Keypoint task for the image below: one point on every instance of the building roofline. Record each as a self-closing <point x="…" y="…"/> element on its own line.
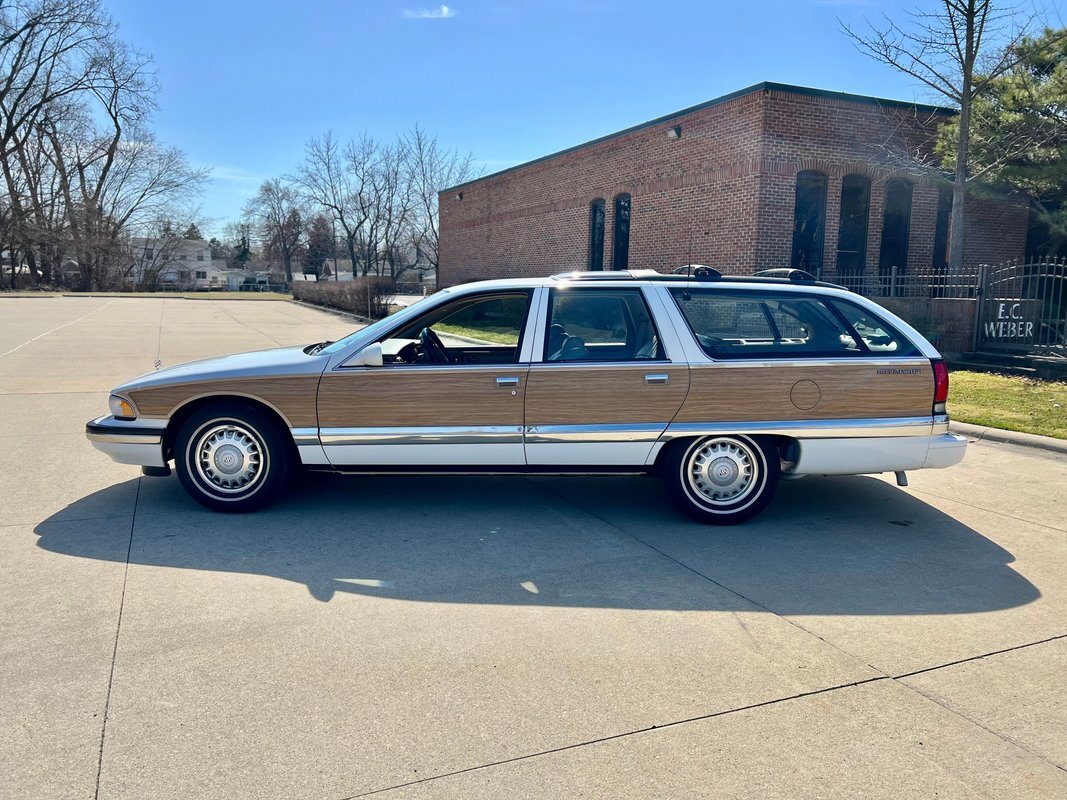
<point x="763" y="86"/>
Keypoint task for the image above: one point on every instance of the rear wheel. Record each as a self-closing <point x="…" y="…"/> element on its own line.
<point x="722" y="480"/>
<point x="231" y="457"/>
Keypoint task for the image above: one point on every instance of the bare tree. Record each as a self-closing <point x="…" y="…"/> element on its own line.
<point x="393" y="207"/>
<point x="336" y="177"/>
<point x="275" y="211"/>
<point x="77" y="159"/>
<point x="432" y="168"/>
<point x="956" y="52"/>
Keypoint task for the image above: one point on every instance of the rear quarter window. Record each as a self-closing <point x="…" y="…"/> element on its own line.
<point x="877" y="335"/>
<point x="739" y="324"/>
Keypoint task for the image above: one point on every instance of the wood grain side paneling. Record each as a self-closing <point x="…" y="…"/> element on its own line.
<point x="413" y="397"/>
<point x="293" y="396"/>
<point x="584" y="395"/>
<point x="846" y="391"/>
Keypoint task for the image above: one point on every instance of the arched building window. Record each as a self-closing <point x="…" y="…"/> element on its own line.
<point x="596" y="234"/>
<point x="620" y="251"/>
<point x="809" y="222"/>
<point x="852" y="235"/>
<point x="896" y="225"/>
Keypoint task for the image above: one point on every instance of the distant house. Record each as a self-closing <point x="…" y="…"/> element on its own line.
<point x="181" y="264"/>
<point x="420" y="270"/>
<point x="216" y="277"/>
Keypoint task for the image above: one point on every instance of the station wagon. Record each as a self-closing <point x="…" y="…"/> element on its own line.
<point x="721" y="385"/>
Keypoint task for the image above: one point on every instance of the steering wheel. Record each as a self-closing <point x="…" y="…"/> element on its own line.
<point x="432" y="349"/>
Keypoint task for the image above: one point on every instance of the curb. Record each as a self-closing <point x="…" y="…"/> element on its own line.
<point x="337" y="312"/>
<point x="984" y="434"/>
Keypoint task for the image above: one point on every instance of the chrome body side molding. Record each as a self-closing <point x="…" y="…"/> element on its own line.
<point x="465" y="435"/>
<point x="590" y="434"/>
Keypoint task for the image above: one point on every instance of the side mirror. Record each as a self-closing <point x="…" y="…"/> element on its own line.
<point x="369" y="356"/>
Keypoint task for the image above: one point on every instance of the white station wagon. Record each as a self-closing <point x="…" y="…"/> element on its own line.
<point x="721" y="385"/>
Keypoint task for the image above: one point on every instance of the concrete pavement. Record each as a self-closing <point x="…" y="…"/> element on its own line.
<point x="501" y="637"/>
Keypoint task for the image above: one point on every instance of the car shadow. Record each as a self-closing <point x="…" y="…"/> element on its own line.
<point x="853" y="545"/>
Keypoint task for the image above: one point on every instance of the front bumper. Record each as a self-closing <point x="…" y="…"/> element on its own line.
<point x="137" y="442"/>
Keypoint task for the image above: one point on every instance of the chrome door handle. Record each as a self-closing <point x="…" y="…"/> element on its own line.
<point x="659" y="377"/>
<point x="507" y="381"/>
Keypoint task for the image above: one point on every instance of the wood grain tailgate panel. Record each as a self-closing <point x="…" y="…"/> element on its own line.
<point x="847" y="391"/>
<point x="293" y="396"/>
<point x="402" y="398"/>
<point x="585" y="395"/>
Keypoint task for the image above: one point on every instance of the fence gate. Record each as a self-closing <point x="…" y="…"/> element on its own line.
<point x="1022" y="308"/>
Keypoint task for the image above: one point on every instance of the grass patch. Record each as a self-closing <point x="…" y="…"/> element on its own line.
<point x="1009" y="402"/>
<point x="488" y="334"/>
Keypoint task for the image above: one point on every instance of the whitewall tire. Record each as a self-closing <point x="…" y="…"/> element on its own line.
<point x="722" y="480"/>
<point x="232" y="457"/>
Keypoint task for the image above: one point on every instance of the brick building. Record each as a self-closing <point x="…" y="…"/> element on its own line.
<point x="769" y="176"/>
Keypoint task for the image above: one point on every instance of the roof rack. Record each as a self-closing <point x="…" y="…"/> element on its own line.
<point x="699" y="273"/>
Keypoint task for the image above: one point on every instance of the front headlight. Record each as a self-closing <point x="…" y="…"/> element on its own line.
<point x="121" y="408"/>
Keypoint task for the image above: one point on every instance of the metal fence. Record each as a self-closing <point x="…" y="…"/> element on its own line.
<point x="922" y="284"/>
<point x="1022" y="308"/>
<point x="1018" y="307"/>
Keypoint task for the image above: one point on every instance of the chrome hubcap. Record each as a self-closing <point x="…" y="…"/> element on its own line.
<point x="229" y="457"/>
<point x="722" y="471"/>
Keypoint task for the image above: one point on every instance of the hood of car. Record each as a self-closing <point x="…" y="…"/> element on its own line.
<point x="259" y="363"/>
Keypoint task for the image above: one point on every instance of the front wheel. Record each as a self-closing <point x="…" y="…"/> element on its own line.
<point x="231" y="458"/>
<point x="722" y="480"/>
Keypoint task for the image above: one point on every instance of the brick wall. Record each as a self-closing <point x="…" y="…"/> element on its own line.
<point x="724" y="189"/>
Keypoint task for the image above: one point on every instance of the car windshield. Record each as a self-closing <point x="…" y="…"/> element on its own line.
<point x="382" y="325"/>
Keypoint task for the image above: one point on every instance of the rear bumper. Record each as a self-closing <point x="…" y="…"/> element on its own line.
<point x="127" y="442"/>
<point x="946" y="450"/>
<point x="865" y="456"/>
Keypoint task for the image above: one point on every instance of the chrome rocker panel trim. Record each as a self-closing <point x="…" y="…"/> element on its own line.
<point x="816" y="428"/>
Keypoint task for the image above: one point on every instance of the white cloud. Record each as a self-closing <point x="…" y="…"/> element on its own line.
<point x="232" y="174"/>
<point x="442" y="12"/>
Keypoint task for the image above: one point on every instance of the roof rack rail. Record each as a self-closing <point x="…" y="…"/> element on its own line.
<point x="785" y="272"/>
<point x="699" y="273"/>
<point x="608" y="275"/>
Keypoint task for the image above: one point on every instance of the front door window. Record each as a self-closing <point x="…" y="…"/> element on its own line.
<point x="484" y="329"/>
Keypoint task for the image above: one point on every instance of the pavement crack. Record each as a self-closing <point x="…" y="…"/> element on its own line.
<point x="623" y="735"/>
<point x="912" y="674"/>
<point x="945" y="704"/>
<point x="989" y="510"/>
<point x="711" y="580"/>
<point x="115" y="647"/>
<point x="250" y="327"/>
<point x="57" y="328"/>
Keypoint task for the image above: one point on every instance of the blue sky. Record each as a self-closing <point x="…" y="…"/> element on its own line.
<point x="246" y="82"/>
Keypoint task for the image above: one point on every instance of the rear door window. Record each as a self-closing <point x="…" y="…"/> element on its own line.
<point x="730" y="324"/>
<point x="600" y="325"/>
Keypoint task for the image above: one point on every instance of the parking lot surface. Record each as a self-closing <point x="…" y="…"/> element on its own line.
<point x="501" y="637"/>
